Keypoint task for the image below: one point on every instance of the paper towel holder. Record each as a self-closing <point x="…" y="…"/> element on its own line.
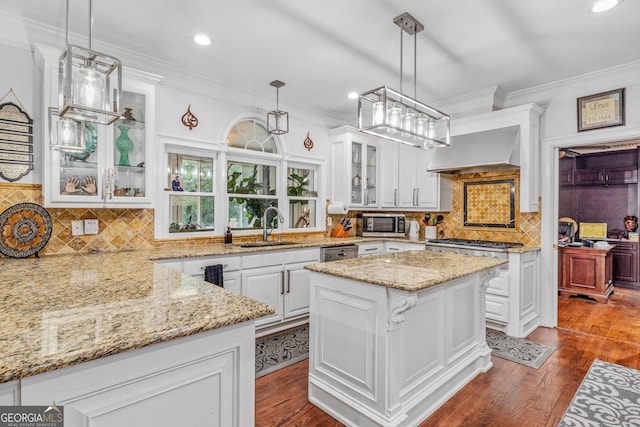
<point x="337" y="209"/>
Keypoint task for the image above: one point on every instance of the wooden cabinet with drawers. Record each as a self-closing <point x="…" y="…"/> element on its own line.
<point x="586" y="271"/>
<point x="625" y="264"/>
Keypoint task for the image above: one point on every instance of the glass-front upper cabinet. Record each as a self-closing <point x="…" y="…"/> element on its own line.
<point x="115" y="167"/>
<point x="354" y="172"/>
<point x="364" y="162"/>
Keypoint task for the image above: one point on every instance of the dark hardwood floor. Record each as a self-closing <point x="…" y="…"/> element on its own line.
<point x="509" y="394"/>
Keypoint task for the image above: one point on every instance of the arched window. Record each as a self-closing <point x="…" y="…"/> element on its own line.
<point x="252" y="135"/>
<point x="252" y="183"/>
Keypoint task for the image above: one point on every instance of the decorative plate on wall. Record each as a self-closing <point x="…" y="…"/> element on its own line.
<point x="25" y="229"/>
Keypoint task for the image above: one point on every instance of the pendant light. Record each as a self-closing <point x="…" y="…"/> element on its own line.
<point x="277" y="121"/>
<point x="392" y="115"/>
<point x="89" y="82"/>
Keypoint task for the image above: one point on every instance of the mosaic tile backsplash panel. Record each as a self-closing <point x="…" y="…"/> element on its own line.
<point x="488" y="202"/>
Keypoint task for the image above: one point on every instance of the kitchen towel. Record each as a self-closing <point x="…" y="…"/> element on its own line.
<point x="213" y="274"/>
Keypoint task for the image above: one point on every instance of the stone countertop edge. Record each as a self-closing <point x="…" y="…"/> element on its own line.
<point x="408" y="271"/>
<point x="62" y="310"/>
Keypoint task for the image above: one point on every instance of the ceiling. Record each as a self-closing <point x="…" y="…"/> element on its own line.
<point x="324" y="49"/>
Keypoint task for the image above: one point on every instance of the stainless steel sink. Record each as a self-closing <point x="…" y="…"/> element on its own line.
<point x="269" y="243"/>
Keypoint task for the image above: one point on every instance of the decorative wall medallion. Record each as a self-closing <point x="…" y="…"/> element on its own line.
<point x="25" y="228"/>
<point x="189" y="119"/>
<point x="16" y="140"/>
<point x="308" y="143"/>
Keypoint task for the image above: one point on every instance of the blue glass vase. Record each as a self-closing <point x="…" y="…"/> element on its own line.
<point x="124" y="144"/>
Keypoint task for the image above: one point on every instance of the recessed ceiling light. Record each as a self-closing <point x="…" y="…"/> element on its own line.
<point x="603" y="5"/>
<point x="353" y="95"/>
<point x="202" y="39"/>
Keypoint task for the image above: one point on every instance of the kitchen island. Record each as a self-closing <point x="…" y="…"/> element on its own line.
<point x="392" y="337"/>
<point x="119" y="340"/>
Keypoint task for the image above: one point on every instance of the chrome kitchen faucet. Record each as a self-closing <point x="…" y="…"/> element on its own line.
<point x="265" y="233"/>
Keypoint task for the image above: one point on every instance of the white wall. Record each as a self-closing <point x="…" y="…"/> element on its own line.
<point x="17" y="72"/>
<point x="560" y="100"/>
<point x="216" y="116"/>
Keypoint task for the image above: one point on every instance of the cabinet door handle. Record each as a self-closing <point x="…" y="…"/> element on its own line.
<point x="395" y="197"/>
<point x="281" y="282"/>
<point x="417" y="197"/>
<point x="108" y="184"/>
<point x="371" y="249"/>
<point x="288" y="281"/>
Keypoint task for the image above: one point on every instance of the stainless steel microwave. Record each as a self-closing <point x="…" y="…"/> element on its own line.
<point x="380" y="225"/>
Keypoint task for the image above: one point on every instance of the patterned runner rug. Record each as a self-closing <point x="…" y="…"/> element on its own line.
<point x="518" y="350"/>
<point x="608" y="396"/>
<point x="286" y="348"/>
<point x="277" y="351"/>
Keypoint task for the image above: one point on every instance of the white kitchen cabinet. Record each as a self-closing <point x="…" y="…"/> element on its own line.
<point x="408" y="246"/>
<point x="407" y="184"/>
<point x="280" y="280"/>
<point x="230" y="270"/>
<point x="277" y="278"/>
<point x="296" y="292"/>
<point x="513" y="297"/>
<point x="118" y="158"/>
<point x="208" y="379"/>
<point x="391" y="247"/>
<point x="10" y="393"/>
<point x="355" y="159"/>
<point x="265" y="284"/>
<point x="370" y="248"/>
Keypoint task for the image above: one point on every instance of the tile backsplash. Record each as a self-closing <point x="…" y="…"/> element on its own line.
<point x="486" y="198"/>
<point x="120" y="229"/>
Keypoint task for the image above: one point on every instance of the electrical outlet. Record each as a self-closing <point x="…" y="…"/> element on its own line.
<point x="329" y="221"/>
<point x="77" y="228"/>
<point x="91" y="226"/>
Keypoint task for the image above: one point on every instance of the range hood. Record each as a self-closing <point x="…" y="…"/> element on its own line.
<point x="479" y="151"/>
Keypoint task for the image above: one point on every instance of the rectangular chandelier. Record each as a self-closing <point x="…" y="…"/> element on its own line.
<point x="389" y="114"/>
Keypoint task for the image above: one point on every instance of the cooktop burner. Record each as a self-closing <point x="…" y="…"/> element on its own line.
<point x="476" y="243"/>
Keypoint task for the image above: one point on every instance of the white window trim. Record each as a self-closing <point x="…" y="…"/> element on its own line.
<point x="162" y="213"/>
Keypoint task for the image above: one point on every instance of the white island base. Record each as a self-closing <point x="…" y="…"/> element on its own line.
<point x="386" y="357"/>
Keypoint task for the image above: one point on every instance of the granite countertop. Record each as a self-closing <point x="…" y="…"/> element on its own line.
<point x="408" y="271"/>
<point x="220" y="249"/>
<point x="236" y="248"/>
<point x="62" y="310"/>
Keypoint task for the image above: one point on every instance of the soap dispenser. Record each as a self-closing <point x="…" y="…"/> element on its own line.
<point x="228" y="237"/>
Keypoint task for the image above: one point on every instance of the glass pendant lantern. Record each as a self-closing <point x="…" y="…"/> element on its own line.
<point x="89" y="82"/>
